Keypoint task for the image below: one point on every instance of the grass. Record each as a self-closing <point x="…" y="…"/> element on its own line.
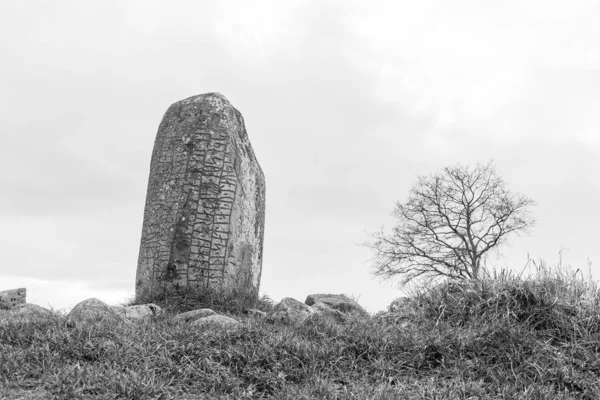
<point x="507" y="336"/>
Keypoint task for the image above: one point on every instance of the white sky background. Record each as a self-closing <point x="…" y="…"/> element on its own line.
<point x="345" y="103"/>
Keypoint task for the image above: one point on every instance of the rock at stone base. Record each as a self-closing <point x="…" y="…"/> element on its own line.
<point x="405" y="308"/>
<point x="13" y="297"/>
<point x="94" y="310"/>
<point x="139" y="312"/>
<point x="190" y="316"/>
<point x="338" y="302"/>
<point x="253" y="312"/>
<point x="399" y="304"/>
<point x="392" y="318"/>
<point x="118" y="310"/>
<point x="290" y="311"/>
<point x="215" y="319"/>
<point x="25" y="312"/>
<point x="406" y="305"/>
<point x="329" y="313"/>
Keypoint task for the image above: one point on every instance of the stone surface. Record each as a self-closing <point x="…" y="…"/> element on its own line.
<point x="405" y="309"/>
<point x="254" y="312"/>
<point x="94" y="310"/>
<point x="290" y="311"/>
<point x="400" y="304"/>
<point x="205" y="205"/>
<point x="332" y="314"/>
<point x="139" y="312"/>
<point x="193" y="315"/>
<point x="338" y="302"/>
<point x="393" y="318"/>
<point x="215" y="319"/>
<point x="25" y="312"/>
<point x="10" y="298"/>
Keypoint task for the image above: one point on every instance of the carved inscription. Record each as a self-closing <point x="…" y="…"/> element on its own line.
<point x="199" y="224"/>
<point x="217" y="190"/>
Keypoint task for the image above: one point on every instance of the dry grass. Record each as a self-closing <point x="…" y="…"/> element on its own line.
<point x="508" y="336"/>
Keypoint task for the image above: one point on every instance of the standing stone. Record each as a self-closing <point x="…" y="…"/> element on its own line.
<point x="205" y="207"/>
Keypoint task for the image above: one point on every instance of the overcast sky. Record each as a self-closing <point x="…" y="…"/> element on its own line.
<point x="345" y="103"/>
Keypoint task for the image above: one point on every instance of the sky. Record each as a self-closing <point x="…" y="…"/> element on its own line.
<point x="345" y="104"/>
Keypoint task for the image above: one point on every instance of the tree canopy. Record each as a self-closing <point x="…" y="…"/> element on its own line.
<point x="449" y="223"/>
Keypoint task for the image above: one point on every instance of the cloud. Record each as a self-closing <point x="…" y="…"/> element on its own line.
<point x="76" y="248"/>
<point x="345" y="103"/>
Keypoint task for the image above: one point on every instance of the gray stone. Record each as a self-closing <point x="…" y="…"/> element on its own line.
<point x="140" y="312"/>
<point x="190" y="316"/>
<point x="290" y="311"/>
<point x="253" y="312"/>
<point x="405" y="305"/>
<point x="118" y="310"/>
<point x="215" y="319"/>
<point x="205" y="206"/>
<point x="393" y="318"/>
<point x="25" y="312"/>
<point x="338" y="302"/>
<point x="405" y="308"/>
<point x="94" y="310"/>
<point x="332" y="314"/>
<point x="13" y="297"/>
<point x="400" y="304"/>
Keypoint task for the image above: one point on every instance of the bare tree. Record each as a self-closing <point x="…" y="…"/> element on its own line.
<point x="449" y="223"/>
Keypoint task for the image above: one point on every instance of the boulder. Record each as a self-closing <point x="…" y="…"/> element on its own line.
<point x="29" y="309"/>
<point x="26" y="312"/>
<point x="290" y="311"/>
<point x="254" y="312"/>
<point x="215" y="319"/>
<point x="404" y="305"/>
<point x="399" y="304"/>
<point x="94" y="310"/>
<point x="190" y="316"/>
<point x="393" y="318"/>
<point x="12" y="297"/>
<point x="402" y="312"/>
<point x="338" y="302"/>
<point x="329" y="313"/>
<point x="140" y="312"/>
<point x="204" y="217"/>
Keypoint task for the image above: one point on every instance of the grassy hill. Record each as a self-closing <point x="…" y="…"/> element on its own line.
<point x="505" y="337"/>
